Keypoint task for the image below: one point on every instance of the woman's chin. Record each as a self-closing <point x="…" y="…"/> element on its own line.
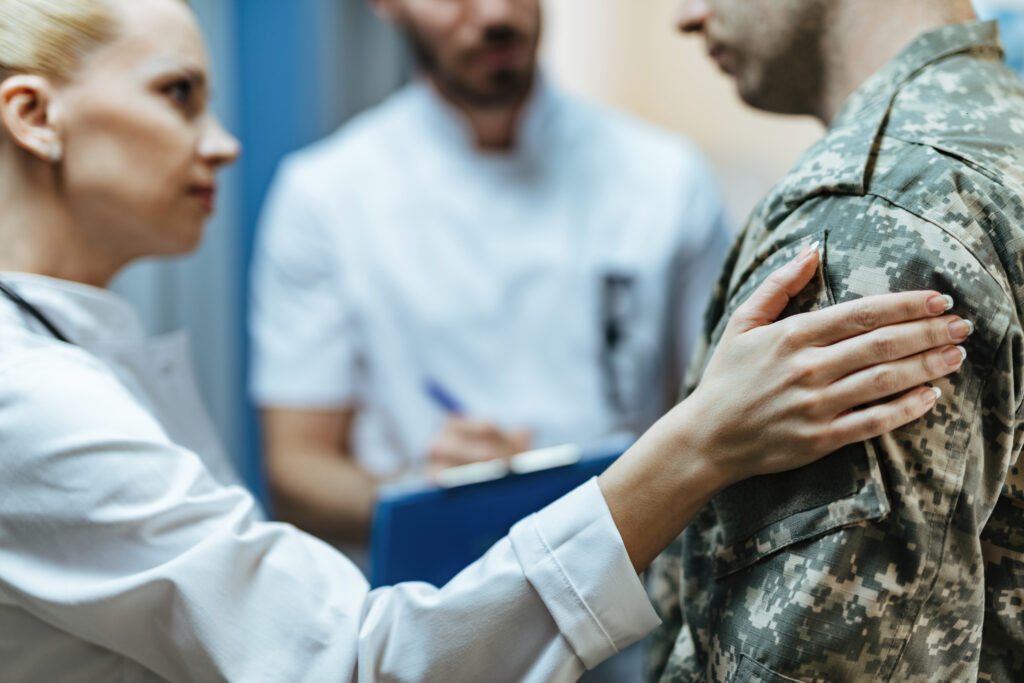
<point x="180" y="242"/>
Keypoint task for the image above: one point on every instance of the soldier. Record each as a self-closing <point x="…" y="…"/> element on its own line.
<point x="901" y="558"/>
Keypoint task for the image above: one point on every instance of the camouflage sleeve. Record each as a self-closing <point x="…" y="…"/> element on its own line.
<point x="885" y="560"/>
<point x="949" y="476"/>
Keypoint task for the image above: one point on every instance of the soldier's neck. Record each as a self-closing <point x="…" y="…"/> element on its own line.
<point x="867" y="34"/>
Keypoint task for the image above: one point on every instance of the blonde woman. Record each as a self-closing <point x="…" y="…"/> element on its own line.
<point x="126" y="550"/>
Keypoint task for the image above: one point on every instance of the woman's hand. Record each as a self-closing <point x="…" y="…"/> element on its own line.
<point x="779" y="395"/>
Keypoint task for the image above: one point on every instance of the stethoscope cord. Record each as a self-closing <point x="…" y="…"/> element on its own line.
<point x="34" y="312"/>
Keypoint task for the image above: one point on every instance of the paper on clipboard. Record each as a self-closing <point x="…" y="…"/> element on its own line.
<point x="522" y="463"/>
<point x="535" y="460"/>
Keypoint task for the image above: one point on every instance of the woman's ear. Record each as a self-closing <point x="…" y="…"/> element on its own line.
<point x="26" y="110"/>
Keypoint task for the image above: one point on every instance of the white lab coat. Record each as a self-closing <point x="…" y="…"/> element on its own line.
<point x="127" y="553"/>
<point x="395" y="252"/>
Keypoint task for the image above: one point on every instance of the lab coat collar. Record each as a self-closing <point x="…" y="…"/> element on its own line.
<point x="88" y="316"/>
<point x="451" y="128"/>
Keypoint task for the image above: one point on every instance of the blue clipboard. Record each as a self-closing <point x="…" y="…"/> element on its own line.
<point x="429" y="533"/>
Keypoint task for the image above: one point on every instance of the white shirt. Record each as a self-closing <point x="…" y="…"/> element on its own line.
<point x="395" y="252"/>
<point x="123" y="558"/>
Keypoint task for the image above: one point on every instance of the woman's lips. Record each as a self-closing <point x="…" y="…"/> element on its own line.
<point x="205" y="195"/>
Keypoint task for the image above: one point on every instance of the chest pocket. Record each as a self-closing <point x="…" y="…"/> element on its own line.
<point x="763" y="515"/>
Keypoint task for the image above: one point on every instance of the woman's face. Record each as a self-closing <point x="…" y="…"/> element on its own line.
<point x="141" y="149"/>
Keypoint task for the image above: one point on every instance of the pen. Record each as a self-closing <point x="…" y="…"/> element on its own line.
<point x="443" y="397"/>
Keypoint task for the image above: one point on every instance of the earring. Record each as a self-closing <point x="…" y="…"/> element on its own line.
<point x="55" y="152"/>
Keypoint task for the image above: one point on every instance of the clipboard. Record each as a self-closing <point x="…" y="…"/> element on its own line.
<point x="428" y="532"/>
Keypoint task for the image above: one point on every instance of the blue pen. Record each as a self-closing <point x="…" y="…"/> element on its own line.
<point x="443" y="397"/>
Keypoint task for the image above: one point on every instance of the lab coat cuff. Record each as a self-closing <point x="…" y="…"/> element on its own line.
<point x="573" y="556"/>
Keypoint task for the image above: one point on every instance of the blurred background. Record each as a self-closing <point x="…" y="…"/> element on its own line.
<point x="287" y="73"/>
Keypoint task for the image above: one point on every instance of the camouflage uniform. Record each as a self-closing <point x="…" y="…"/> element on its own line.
<point x="899" y="559"/>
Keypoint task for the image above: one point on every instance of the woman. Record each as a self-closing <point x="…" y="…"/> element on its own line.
<point x="125" y="550"/>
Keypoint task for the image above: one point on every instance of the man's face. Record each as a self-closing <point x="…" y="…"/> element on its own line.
<point x="480" y="52"/>
<point x="775" y="49"/>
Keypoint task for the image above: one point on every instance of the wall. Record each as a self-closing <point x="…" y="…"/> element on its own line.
<point x="1010" y="14"/>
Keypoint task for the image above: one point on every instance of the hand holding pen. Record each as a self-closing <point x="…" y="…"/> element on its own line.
<point x="463" y="439"/>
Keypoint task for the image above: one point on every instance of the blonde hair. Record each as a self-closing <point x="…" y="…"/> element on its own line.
<point x="51" y="37"/>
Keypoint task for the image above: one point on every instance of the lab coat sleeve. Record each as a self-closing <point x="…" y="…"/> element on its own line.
<point x="303" y="325"/>
<point x="117" y="537"/>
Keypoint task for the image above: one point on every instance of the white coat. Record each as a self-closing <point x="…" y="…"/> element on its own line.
<point x="128" y="553"/>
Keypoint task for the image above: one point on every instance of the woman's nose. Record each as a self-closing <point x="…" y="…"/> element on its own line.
<point x="218" y="146"/>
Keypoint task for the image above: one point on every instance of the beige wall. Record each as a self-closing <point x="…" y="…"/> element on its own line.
<point x="627" y="53"/>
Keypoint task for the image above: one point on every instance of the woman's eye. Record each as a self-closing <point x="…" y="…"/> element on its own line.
<point x="180" y="92"/>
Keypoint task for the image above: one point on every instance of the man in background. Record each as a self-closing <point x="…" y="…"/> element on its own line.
<point x="478" y="265"/>
<point x="899" y="559"/>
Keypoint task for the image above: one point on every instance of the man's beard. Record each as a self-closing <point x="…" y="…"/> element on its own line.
<point x="793" y="82"/>
<point x="503" y="88"/>
<point x="788" y="87"/>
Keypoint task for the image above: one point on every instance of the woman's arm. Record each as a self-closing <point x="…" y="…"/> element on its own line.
<point x="120" y="547"/>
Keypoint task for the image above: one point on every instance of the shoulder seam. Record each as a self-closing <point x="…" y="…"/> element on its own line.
<point x="973" y="165"/>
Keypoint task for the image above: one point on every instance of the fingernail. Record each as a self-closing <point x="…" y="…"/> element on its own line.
<point x="806" y="253"/>
<point x="937" y="392"/>
<point x="954" y="356"/>
<point x="960" y="330"/>
<point x="940" y="303"/>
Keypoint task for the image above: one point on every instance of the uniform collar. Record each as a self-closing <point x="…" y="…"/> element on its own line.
<point x="88" y="316"/>
<point x="875" y="96"/>
<point x="840" y="162"/>
<point x="450" y="127"/>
